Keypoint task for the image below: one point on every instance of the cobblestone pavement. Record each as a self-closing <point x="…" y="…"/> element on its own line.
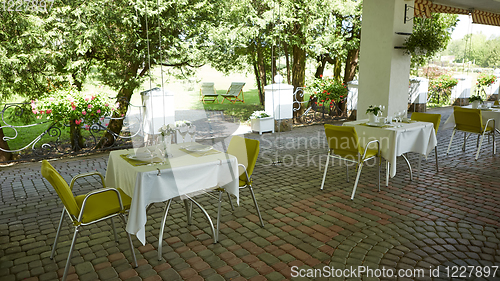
<point x="439" y="221"/>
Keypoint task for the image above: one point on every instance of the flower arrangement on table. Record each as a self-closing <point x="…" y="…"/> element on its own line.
<point x="167" y="130"/>
<point x="375" y="110"/>
<point x="328" y="91"/>
<point x="485" y="80"/>
<point x="182" y="123"/>
<point x="259" y="114"/>
<point x="69" y="106"/>
<point x="475" y="98"/>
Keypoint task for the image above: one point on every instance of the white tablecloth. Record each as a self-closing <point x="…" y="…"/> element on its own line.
<point x="418" y="137"/>
<point x="486" y="114"/>
<point x="184" y="174"/>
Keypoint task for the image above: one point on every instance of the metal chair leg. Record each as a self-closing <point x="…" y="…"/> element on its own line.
<point x="114" y="229"/>
<point x="379" y="164"/>
<point x="66" y="268"/>
<point x="347" y="171"/>
<point x="132" y="251"/>
<point x="230" y="201"/>
<point x="57" y="234"/>
<point x="162" y="228"/>
<point x="256" y="205"/>
<point x="451" y="139"/>
<point x="326" y="168"/>
<point x="465" y="142"/>
<point x="360" y="167"/>
<point x="479" y="146"/>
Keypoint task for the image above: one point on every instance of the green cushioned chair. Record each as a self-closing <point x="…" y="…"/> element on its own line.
<point x="432" y="118"/>
<point x="86" y="209"/>
<point x="343" y="144"/>
<point x="470" y="121"/>
<point x="246" y="151"/>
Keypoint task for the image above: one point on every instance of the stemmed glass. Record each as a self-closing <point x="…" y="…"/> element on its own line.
<point x="192" y="132"/>
<point x="183" y="130"/>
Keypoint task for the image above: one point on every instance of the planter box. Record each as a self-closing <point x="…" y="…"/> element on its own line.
<point x="262" y="125"/>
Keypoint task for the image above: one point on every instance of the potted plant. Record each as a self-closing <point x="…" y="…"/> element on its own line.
<point x="261" y="122"/>
<point x="425" y="40"/>
<point x="328" y="92"/>
<point x="373" y="112"/>
<point x="475" y="100"/>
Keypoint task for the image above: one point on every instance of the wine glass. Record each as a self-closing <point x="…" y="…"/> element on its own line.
<point x="192" y="132"/>
<point x="183" y="130"/>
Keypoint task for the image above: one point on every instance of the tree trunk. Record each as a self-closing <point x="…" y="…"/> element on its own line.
<point x="116" y="125"/>
<point x="123" y="98"/>
<point x="298" y="67"/>
<point x="321" y="59"/>
<point x="75" y="132"/>
<point x="261" y="68"/>
<point x="351" y="65"/>
<point x="4" y="156"/>
<point x="287" y="60"/>
<point x="257" y="79"/>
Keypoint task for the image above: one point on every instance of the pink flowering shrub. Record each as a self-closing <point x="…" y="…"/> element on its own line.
<point x="71" y="106"/>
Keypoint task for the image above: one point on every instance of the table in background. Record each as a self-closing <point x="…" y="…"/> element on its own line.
<point x="490" y="113"/>
<point x="418" y="137"/>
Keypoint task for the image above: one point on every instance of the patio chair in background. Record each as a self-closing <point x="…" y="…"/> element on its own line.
<point x="86" y="209"/>
<point x="432" y="118"/>
<point x="208" y="93"/>
<point x="234" y="92"/>
<point x="343" y="144"/>
<point x="470" y="121"/>
<point x="246" y="151"/>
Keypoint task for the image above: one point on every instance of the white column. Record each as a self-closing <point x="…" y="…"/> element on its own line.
<point x="383" y="70"/>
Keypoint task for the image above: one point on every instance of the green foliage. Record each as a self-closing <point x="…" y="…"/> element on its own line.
<point x="440" y="90"/>
<point x="485" y="80"/>
<point x="475" y="98"/>
<point x="374" y="109"/>
<point x="431" y="34"/>
<point x="69" y="105"/>
<point x="484" y="52"/>
<point x="259" y="114"/>
<point x="328" y="89"/>
<point x="444" y="82"/>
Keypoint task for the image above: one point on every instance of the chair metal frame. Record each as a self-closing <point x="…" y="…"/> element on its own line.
<point x="479" y="135"/>
<point x="361" y="160"/>
<point x="248" y="184"/>
<point x="77" y="221"/>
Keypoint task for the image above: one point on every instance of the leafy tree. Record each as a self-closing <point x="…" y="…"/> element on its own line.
<point x="442" y="26"/>
<point x="27" y="66"/>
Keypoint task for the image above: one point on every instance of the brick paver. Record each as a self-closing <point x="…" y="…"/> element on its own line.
<point x="450" y="218"/>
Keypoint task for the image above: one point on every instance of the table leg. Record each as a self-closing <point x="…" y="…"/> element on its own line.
<point x="387" y="167"/>
<point x="419" y="165"/>
<point x="162" y="228"/>
<point x="214" y="235"/>
<point x="409" y="166"/>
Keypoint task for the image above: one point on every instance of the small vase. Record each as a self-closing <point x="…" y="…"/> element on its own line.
<point x="372" y="118"/>
<point x="166" y="141"/>
<point x="475" y="104"/>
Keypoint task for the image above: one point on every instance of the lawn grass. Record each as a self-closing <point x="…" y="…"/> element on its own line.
<point x="239" y="110"/>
